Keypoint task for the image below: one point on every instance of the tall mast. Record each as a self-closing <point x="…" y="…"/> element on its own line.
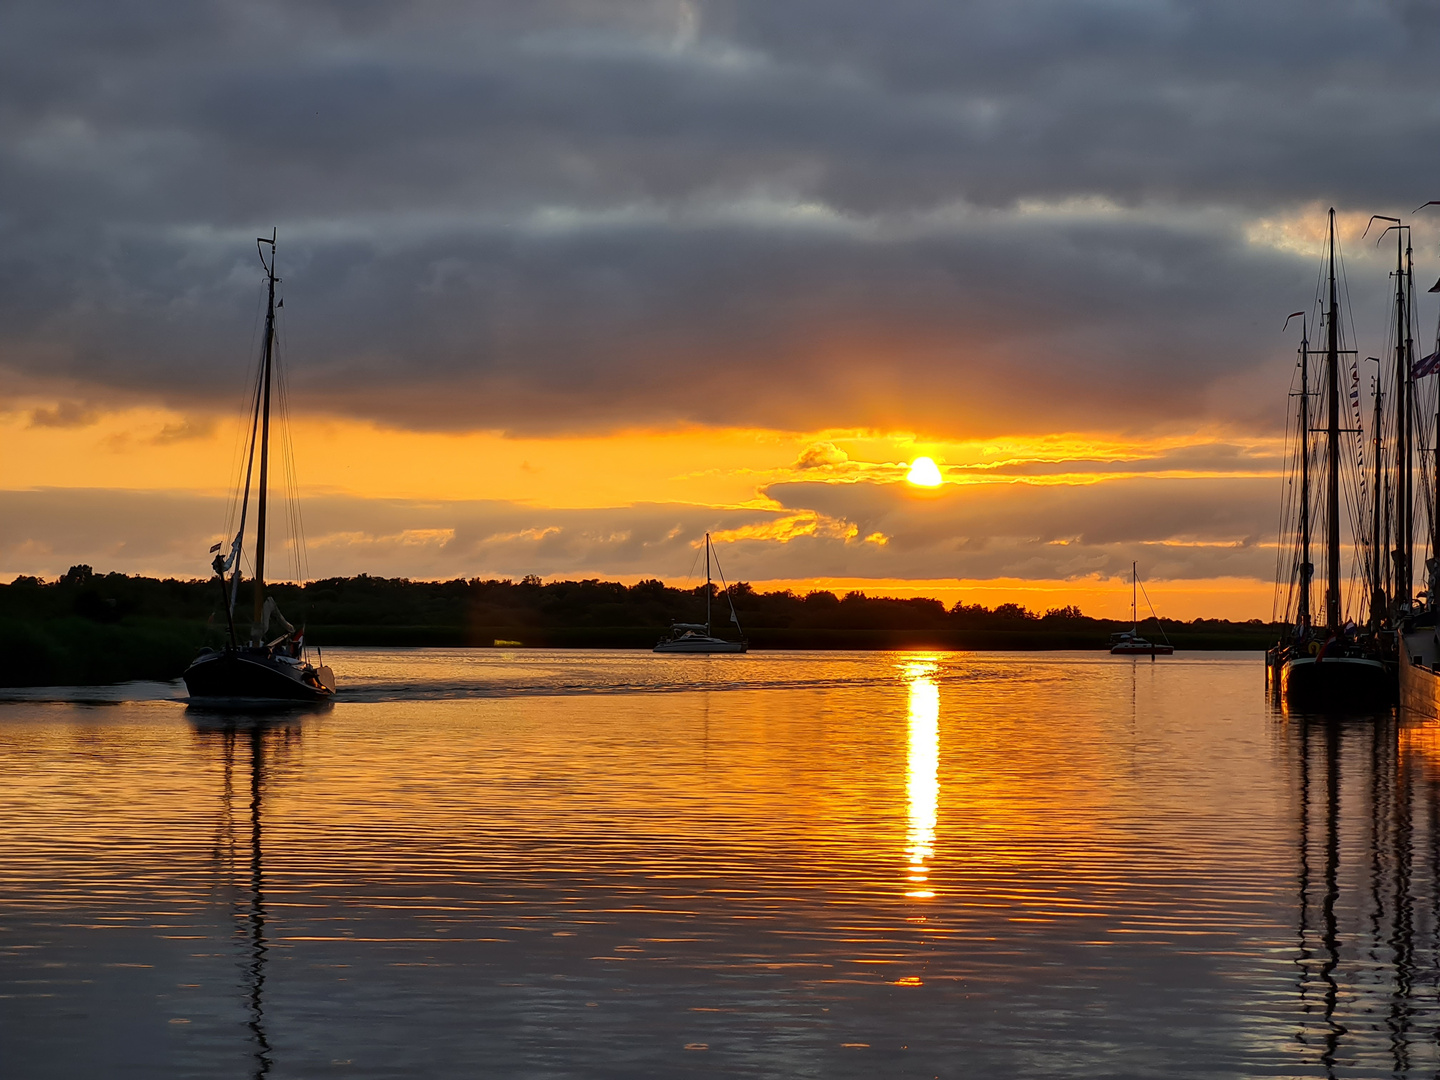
<point x="264" y="434"/>
<point x="1134" y="586"/>
<point x="1332" y="472"/>
<point x="1404" y="408"/>
<point x="1307" y="568"/>
<point x="1411" y="421"/>
<point x="1377" y="588"/>
<point x="707" y="585"/>
<point x="1435" y="505"/>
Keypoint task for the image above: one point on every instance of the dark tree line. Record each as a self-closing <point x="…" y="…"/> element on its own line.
<point x="375" y="602"/>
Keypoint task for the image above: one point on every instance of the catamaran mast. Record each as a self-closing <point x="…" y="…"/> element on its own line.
<point x="707" y="585"/>
<point x="1332" y="471"/>
<point x="259" y="630"/>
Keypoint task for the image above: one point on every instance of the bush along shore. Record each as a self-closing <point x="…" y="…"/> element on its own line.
<point x="88" y="628"/>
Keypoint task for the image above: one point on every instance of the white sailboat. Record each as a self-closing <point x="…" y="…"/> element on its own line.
<point x="697" y="637"/>
<point x="1129" y="642"/>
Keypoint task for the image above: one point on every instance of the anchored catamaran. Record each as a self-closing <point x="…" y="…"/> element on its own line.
<point x="277" y="669"/>
<point x="1129" y="642"/>
<point x="696" y="637"/>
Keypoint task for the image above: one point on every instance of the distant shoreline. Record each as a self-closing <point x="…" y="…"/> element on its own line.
<point x="94" y="629"/>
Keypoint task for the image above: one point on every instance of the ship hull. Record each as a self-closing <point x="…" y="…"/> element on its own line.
<point x="698" y="644"/>
<point x="1141" y="650"/>
<point x="1340" y="682"/>
<point x="250" y="675"/>
<point x="1419" y="682"/>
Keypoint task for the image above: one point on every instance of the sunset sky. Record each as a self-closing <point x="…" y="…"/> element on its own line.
<point x="568" y="283"/>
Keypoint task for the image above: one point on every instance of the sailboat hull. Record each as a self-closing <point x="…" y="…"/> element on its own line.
<point x="252" y="675"/>
<point x="698" y="643"/>
<point x="1339" y="682"/>
<point x="1141" y="648"/>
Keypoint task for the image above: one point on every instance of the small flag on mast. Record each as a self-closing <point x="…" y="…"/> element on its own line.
<point x="215" y="549"/>
<point x="1426" y="365"/>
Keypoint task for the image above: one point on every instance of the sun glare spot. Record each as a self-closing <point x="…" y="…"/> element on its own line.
<point x="924" y="473"/>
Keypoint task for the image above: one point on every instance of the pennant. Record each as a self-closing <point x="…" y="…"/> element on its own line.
<point x="215" y="549"/>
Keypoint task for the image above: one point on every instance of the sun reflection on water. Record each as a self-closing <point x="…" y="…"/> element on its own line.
<point x="922" y="781"/>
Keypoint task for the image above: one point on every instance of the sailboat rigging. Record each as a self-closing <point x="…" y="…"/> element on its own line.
<point x="697" y="637"/>
<point x="1341" y="664"/>
<point x="277" y="669"/>
<point x="1129" y="642"/>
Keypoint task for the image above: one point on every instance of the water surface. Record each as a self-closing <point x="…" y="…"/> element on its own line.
<point x="565" y="864"/>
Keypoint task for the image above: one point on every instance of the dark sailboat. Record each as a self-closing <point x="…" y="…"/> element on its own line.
<point x="1418" y="638"/>
<point x="276" y="669"/>
<point x="697" y="637"/>
<point x="1337" y="663"/>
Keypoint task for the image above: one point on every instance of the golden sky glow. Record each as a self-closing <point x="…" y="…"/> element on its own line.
<point x="50" y="445"/>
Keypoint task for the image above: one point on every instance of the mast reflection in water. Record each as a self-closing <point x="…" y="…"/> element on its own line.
<point x="1368" y="905"/>
<point x="245" y="744"/>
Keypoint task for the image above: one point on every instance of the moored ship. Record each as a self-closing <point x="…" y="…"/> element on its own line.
<point x="1333" y="662"/>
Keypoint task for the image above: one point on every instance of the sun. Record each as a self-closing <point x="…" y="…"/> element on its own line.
<point x="924" y="473"/>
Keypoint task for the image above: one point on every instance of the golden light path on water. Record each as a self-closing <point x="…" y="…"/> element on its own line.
<point x="574" y="864"/>
<point x="922" y="773"/>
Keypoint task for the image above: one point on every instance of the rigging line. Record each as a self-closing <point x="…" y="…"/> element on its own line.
<point x="287" y="458"/>
<point x="733" y="617"/>
<point x="1292" y="447"/>
<point x="693" y="563"/>
<point x="1158" y="623"/>
<point x="237" y="460"/>
<point x="245" y="497"/>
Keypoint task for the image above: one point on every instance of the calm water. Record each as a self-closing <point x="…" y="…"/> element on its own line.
<point x="562" y="864"/>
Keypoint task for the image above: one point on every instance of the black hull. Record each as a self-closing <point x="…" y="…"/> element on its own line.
<point x="1338" y="683"/>
<point x="249" y="675"/>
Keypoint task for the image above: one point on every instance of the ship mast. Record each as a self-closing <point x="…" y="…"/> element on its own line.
<point x="259" y="630"/>
<point x="1404" y="429"/>
<point x="1377" y="588"/>
<point x="707" y="585"/>
<point x="1332" y="471"/>
<point x="1411" y="420"/>
<point x="1307" y="568"/>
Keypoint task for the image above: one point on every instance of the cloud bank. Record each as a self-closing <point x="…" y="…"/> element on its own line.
<point x="979" y="218"/>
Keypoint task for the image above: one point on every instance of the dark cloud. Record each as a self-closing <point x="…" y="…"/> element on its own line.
<point x="1177" y="529"/>
<point x="576" y="214"/>
<point x="66" y="414"/>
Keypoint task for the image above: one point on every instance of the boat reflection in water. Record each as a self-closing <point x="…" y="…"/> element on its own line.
<point x="243" y="742"/>
<point x="1368" y="893"/>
